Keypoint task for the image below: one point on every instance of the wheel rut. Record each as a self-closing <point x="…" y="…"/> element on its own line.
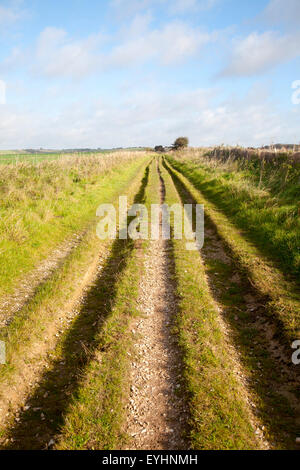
<point x="11" y="304"/>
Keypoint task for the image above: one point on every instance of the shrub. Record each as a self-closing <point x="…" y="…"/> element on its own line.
<point x="181" y="143"/>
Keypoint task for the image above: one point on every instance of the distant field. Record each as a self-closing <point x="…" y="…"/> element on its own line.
<point x="16" y="158"/>
<point x="8" y="158"/>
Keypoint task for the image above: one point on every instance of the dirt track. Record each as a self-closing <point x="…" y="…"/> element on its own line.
<point x="157" y="411"/>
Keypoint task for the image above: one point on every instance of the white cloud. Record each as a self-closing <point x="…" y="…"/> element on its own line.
<point x="258" y="53"/>
<point x="279" y="11"/>
<point x="170" y="44"/>
<point x="180" y="6"/>
<point x="14" y="59"/>
<point x="8" y="15"/>
<point x="12" y="13"/>
<point x="58" y="55"/>
<point x="183" y="6"/>
<point x="132" y="6"/>
<point x="174" y="7"/>
<point x="151" y="118"/>
<point x="139" y="118"/>
<point x="138" y="26"/>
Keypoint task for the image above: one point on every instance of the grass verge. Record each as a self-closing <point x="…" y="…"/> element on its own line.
<point x="81" y="391"/>
<point x="43" y="204"/>
<point x="282" y="294"/>
<point x="34" y="332"/>
<point x="262" y="200"/>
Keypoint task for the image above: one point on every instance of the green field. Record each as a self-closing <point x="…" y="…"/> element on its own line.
<point x="14" y="158"/>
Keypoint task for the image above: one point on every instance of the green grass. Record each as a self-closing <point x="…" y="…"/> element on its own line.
<point x="32" y="334"/>
<point x="264" y="204"/>
<point x="220" y="414"/>
<point x="266" y="376"/>
<point x="282" y="294"/>
<point x="96" y="417"/>
<point x="41" y="205"/>
<point x="83" y="386"/>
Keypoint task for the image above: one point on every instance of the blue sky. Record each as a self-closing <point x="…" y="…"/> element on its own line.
<point x="124" y="73"/>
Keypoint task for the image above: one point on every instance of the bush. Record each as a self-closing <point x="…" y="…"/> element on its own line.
<point x="159" y="148"/>
<point x="181" y="143"/>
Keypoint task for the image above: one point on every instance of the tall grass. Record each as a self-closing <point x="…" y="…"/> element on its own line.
<point x="261" y="200"/>
<point x="42" y="204"/>
<point x="46" y="321"/>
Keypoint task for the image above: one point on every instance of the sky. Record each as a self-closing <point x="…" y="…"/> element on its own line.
<point x="121" y="73"/>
